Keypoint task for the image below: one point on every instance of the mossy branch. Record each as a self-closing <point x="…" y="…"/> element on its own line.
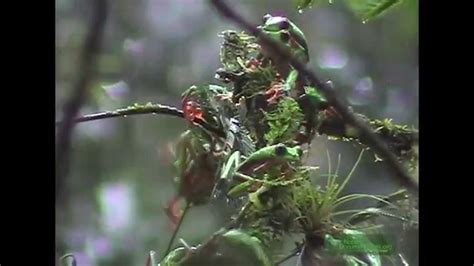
<point x="364" y="131"/>
<point x="141" y="109"/>
<point x="399" y="138"/>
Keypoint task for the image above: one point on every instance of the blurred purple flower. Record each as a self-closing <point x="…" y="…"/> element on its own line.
<point x="117" y="90"/>
<point x="116" y="201"/>
<point x="398" y="104"/>
<point x="354" y="69"/>
<point x="102" y="246"/>
<point x="83" y="259"/>
<point x="363" y="92"/>
<point x="134" y="47"/>
<point x="332" y="57"/>
<point x="279" y="13"/>
<point x="77" y="238"/>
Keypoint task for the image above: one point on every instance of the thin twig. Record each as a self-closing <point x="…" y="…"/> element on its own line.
<point x="86" y="67"/>
<point x="234" y="223"/>
<point x="142" y="110"/>
<point x="175" y="232"/>
<point x="289" y="256"/>
<point x="364" y="131"/>
<point x="128" y="111"/>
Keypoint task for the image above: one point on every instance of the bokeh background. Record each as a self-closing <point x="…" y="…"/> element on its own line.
<point x="122" y="176"/>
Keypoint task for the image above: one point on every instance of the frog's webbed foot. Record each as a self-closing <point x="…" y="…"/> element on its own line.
<point x="332" y="113"/>
<point x="253" y="64"/>
<point x="224" y="97"/>
<point x="275" y="93"/>
<point x="218" y="152"/>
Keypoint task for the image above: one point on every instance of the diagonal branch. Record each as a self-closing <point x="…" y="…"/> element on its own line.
<point x="289" y="256"/>
<point x="400" y="138"/>
<point x="364" y="131"/>
<point x="86" y="67"/>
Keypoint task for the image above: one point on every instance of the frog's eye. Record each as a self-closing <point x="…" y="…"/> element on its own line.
<point x="266" y="17"/>
<point x="221" y="72"/>
<point x="285" y="37"/>
<point x="280" y="151"/>
<point x="284" y="25"/>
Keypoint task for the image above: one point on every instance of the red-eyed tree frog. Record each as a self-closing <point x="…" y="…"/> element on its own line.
<point x="196" y="168"/>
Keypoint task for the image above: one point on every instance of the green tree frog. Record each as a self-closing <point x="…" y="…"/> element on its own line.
<point x="261" y="161"/>
<point x="283" y="30"/>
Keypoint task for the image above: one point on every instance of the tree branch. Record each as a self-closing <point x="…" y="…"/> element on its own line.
<point x="363" y="131"/>
<point x="175" y="232"/>
<point x="86" y="66"/>
<point x="399" y="138"/>
<point x="128" y="111"/>
<point x="289" y="256"/>
<point x="138" y="109"/>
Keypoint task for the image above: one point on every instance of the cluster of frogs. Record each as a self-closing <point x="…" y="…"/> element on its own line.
<point x="234" y="155"/>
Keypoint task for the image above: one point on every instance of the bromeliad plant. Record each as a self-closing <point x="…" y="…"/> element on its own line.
<point x="244" y="146"/>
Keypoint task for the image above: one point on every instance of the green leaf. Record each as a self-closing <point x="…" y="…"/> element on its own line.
<point x="234" y="247"/>
<point x="372" y="213"/>
<point x="68" y="260"/>
<point x="315" y="96"/>
<point x="247" y="246"/>
<point x="238" y="189"/>
<point x="174" y="257"/>
<point x="370" y="9"/>
<point x="349" y="241"/>
<point x="353" y="261"/>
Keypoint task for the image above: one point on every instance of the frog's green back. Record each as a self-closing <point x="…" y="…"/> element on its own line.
<point x="301" y="39"/>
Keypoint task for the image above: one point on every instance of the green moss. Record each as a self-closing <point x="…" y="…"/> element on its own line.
<point x="284" y="122"/>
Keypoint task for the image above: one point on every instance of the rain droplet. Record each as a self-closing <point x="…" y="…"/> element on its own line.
<point x="330" y="1"/>
<point x="125" y="116"/>
<point x="300" y="11"/>
<point x="364" y="21"/>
